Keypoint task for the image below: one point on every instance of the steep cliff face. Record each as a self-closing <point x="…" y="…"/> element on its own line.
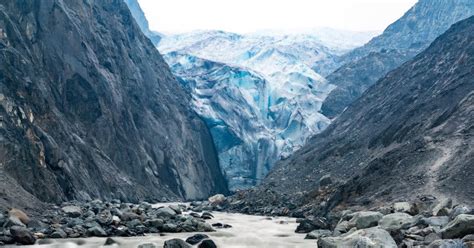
<point x="89" y="109"/>
<point x="400" y="42"/>
<point x="409" y="135"/>
<point x="142" y="22"/>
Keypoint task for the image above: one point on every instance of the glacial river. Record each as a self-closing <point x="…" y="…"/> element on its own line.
<point x="246" y="231"/>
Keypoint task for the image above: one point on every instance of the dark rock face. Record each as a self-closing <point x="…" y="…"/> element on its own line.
<point x="142" y="22"/>
<point x="410" y="136"/>
<point x="400" y="42"/>
<point x="89" y="109"/>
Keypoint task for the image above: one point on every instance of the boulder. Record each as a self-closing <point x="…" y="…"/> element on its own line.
<point x="436" y="221"/>
<point x="176" y="243"/>
<point x="58" y="234"/>
<point x="96" y="231"/>
<point x="13" y="221"/>
<point x="207" y="243"/>
<point x="443" y="207"/>
<point x="397" y="221"/>
<point x="147" y="245"/>
<point x="20" y="215"/>
<point x="165" y="213"/>
<point x="462" y="225"/>
<point x="364" y="219"/>
<point x="373" y="237"/>
<point x="195" y="239"/>
<point x="72" y="211"/>
<point x="217" y="199"/>
<point x="22" y="235"/>
<point x="317" y="234"/>
<point x="460" y="209"/>
<point x="325" y="181"/>
<point x="110" y="241"/>
<point x="105" y="218"/>
<point x="403" y="207"/>
<point x="446" y="243"/>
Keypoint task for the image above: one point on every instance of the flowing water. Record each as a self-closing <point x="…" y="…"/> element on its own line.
<point x="246" y="231"/>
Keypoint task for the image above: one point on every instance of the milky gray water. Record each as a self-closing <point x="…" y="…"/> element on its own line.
<point x="246" y="231"/>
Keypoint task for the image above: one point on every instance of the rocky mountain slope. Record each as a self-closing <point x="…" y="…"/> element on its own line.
<point x="142" y="22"/>
<point x="89" y="109"/>
<point x="400" y="42"/>
<point x="257" y="94"/>
<point x="409" y="137"/>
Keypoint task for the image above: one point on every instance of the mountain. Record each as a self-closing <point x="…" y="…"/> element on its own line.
<point x="258" y="95"/>
<point x="89" y="109"/>
<point x="142" y="22"/>
<point x="408" y="137"/>
<point x="400" y="42"/>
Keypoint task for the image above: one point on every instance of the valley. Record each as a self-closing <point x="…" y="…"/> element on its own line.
<point x="116" y="135"/>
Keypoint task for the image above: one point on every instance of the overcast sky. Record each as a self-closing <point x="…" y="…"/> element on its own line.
<point x="251" y="15"/>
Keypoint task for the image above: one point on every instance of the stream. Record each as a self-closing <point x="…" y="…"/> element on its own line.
<point x="246" y="231"/>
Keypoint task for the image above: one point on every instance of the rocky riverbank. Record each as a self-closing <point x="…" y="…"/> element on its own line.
<point x="100" y="219"/>
<point x="429" y="222"/>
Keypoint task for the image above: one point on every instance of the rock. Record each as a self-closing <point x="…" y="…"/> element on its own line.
<point x="218" y="199"/>
<point x="128" y="216"/>
<point x="165" y="213"/>
<point x="2" y="219"/>
<point x="156" y="223"/>
<point x="430" y="238"/>
<point x="133" y="223"/>
<point x="207" y="243"/>
<point x="305" y="226"/>
<point x="195" y="215"/>
<point x="105" y="218"/>
<point x="147" y="245"/>
<point x="169" y="227"/>
<point x="110" y="241"/>
<point x="20" y="215"/>
<point x="341" y="227"/>
<point x="462" y="225"/>
<point x="460" y="210"/>
<point x="176" y="208"/>
<point x="72" y="211"/>
<point x="325" y="180"/>
<point x="36" y="225"/>
<point x="397" y="221"/>
<point x="317" y="234"/>
<point x="7" y="239"/>
<point x="195" y="239"/>
<point x="364" y="219"/>
<point x="374" y="237"/>
<point x="58" y="234"/>
<point x="204" y="227"/>
<point x="443" y="207"/>
<point x="468" y="238"/>
<point x="207" y="215"/>
<point x="22" y="235"/>
<point x="403" y="207"/>
<point x="13" y="221"/>
<point x="447" y="243"/>
<point x="96" y="231"/>
<point x="437" y="221"/>
<point x="176" y="243"/>
<point x="145" y="205"/>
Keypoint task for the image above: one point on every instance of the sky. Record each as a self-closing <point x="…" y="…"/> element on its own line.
<point x="244" y="16"/>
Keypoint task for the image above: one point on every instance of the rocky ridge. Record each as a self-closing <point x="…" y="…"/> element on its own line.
<point x="89" y="109"/>
<point x="400" y="42"/>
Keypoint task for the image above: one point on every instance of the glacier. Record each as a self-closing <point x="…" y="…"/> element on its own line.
<point x="258" y="94"/>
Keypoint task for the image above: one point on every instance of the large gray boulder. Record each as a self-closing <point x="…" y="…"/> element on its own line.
<point x="317" y="234"/>
<point x="397" y="221"/>
<point x="364" y="219"/>
<point x="72" y="211"/>
<point x="461" y="226"/>
<point x="374" y="237"/>
<point x="176" y="243"/>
